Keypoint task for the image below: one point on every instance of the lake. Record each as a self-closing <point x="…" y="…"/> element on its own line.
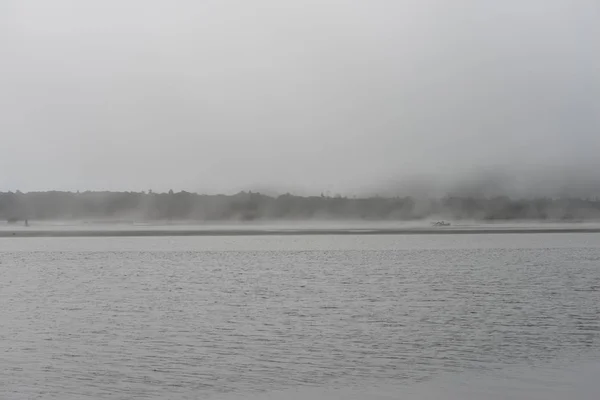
<point x="279" y="317"/>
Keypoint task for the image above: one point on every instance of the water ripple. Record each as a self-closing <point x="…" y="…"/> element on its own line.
<point x="189" y="324"/>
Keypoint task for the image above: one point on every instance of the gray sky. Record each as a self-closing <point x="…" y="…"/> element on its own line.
<point x="313" y="95"/>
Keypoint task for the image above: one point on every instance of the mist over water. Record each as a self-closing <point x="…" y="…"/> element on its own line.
<point x="153" y="118"/>
<point x="516" y="182"/>
<point x="184" y="207"/>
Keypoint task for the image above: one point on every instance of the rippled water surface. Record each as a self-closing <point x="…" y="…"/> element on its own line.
<point x="186" y="318"/>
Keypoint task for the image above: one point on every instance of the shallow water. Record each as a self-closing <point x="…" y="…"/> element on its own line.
<point x="361" y="316"/>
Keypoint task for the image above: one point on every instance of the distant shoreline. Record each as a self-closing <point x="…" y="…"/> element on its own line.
<point x="252" y="206"/>
<point x="25" y="233"/>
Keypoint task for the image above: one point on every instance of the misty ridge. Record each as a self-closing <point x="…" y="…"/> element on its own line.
<point x="488" y="194"/>
<point x="251" y="206"/>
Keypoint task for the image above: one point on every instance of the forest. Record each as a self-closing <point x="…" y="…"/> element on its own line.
<point x="248" y="206"/>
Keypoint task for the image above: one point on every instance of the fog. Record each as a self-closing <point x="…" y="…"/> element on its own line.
<point x="350" y="97"/>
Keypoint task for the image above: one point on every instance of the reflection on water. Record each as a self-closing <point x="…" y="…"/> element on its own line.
<point x="193" y="317"/>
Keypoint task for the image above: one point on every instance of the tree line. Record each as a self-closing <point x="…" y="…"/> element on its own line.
<point x="247" y="206"/>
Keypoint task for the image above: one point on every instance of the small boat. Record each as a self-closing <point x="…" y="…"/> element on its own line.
<point x="441" y="223"/>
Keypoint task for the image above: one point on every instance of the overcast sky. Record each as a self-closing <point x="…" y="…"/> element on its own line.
<point x="313" y="95"/>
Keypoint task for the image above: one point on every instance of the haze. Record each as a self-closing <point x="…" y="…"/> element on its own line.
<point x="308" y="96"/>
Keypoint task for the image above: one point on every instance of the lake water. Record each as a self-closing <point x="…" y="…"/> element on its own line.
<point x="330" y="317"/>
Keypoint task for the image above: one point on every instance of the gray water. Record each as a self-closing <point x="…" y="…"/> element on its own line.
<point x="299" y="317"/>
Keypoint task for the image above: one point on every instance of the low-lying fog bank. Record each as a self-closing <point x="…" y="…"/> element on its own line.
<point x="112" y="207"/>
